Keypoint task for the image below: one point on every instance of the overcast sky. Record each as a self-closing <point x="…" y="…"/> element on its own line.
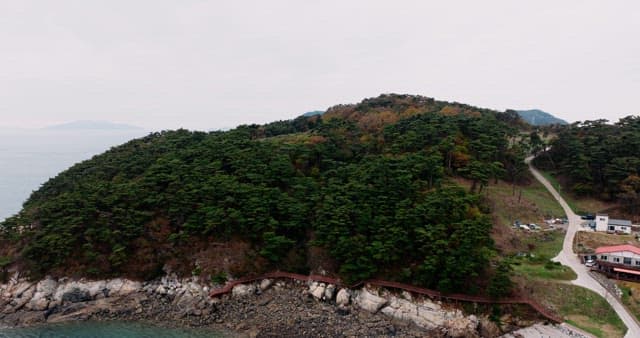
<point x="214" y="64"/>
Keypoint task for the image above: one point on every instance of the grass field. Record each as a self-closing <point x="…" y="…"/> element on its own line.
<point x="529" y="204"/>
<point x="537" y="265"/>
<point x="580" y="307"/>
<point x="630" y="296"/>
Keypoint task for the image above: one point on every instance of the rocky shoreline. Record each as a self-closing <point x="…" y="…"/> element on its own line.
<point x="266" y="308"/>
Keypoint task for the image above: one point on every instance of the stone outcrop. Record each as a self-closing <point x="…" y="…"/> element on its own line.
<point x="343" y="297"/>
<point x="243" y="290"/>
<point x="368" y="301"/>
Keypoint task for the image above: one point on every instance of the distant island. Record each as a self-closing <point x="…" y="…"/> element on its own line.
<point x="313" y="113"/>
<point x="538" y="117"/>
<point x="92" y="125"/>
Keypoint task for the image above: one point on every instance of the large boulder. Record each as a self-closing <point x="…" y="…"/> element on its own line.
<point x="343" y="297"/>
<point x="45" y="289"/>
<point x="23" y="294"/>
<point x="97" y="289"/>
<point x="329" y="291"/>
<point x="265" y="284"/>
<point x="368" y="301"/>
<point x="113" y="286"/>
<point x="430" y="315"/>
<point x="243" y="290"/>
<point x="76" y="295"/>
<point x="317" y="290"/>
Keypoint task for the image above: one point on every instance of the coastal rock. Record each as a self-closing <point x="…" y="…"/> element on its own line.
<point x="430" y="315"/>
<point x="317" y="290"/>
<point x="43" y="294"/>
<point x="21" y="288"/>
<point x="76" y="295"/>
<point x="21" y="297"/>
<point x="462" y="326"/>
<point x="97" y="289"/>
<point x="113" y="286"/>
<point x="343" y="297"/>
<point x="368" y="301"/>
<point x="329" y="291"/>
<point x="265" y="284"/>
<point x="243" y="290"/>
<point x="128" y="287"/>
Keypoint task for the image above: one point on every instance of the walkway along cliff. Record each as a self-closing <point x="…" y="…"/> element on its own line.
<point x="388" y="284"/>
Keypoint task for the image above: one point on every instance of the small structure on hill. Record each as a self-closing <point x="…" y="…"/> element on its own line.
<point x="612" y="225"/>
<point x="619" y="261"/>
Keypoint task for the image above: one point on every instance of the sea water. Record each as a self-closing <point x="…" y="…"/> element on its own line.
<point x="28" y="158"/>
<point x="114" y="329"/>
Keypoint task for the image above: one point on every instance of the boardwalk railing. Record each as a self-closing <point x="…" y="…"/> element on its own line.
<point x="392" y="285"/>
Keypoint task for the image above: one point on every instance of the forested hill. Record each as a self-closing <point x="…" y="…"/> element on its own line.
<point x="599" y="159"/>
<point x="363" y="190"/>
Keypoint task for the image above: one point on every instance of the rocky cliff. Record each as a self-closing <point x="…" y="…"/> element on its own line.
<point x="255" y="308"/>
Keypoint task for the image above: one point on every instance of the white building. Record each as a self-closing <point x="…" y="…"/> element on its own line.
<point x="619" y="261"/>
<point x="612" y="225"/>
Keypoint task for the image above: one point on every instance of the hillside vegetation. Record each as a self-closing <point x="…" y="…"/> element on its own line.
<point x="600" y="160"/>
<point x="361" y="191"/>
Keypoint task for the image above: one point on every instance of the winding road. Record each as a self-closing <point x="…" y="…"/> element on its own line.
<point x="569" y="258"/>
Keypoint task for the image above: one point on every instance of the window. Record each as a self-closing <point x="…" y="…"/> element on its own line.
<point x="611" y="228"/>
<point x="602" y="219"/>
<point x="627" y="260"/>
<point x="616" y="259"/>
<point x="623" y="228"/>
<point x="637" y="262"/>
<point x="603" y="257"/>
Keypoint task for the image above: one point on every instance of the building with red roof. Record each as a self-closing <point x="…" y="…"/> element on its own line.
<point x="619" y="261"/>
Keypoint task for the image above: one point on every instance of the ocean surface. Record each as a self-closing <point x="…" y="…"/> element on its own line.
<point x="105" y="330"/>
<point x="28" y="158"/>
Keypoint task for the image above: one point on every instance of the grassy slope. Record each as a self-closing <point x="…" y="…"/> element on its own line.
<point x="580" y="205"/>
<point x="535" y="204"/>
<point x="580" y="307"/>
<point x="544" y="282"/>
<point x="631" y="296"/>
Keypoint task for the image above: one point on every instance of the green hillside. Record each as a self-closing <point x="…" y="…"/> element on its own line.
<point x="599" y="159"/>
<point x="364" y="190"/>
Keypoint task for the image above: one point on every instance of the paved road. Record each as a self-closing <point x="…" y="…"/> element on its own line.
<point x="568" y="258"/>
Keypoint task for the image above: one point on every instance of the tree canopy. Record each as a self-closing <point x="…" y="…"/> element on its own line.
<point x="599" y="159"/>
<point x="369" y="184"/>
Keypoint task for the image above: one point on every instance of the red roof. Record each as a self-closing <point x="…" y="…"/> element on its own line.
<point x="633" y="272"/>
<point x="615" y="248"/>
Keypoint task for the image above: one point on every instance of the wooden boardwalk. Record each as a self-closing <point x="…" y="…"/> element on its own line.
<point x="390" y="285"/>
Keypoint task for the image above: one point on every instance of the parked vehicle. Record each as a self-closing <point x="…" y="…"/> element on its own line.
<point x="589" y="263"/>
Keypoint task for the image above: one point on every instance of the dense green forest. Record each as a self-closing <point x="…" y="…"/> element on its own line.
<point x="364" y="190"/>
<point x="598" y="159"/>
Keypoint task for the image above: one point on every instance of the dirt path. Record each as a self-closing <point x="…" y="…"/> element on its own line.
<point x="569" y="258"/>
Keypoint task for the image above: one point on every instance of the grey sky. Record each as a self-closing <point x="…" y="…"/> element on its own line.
<point x="211" y="64"/>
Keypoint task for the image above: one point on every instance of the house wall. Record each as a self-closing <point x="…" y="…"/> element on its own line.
<point x="623" y="228"/>
<point x="611" y="257"/>
<point x="602" y="221"/>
